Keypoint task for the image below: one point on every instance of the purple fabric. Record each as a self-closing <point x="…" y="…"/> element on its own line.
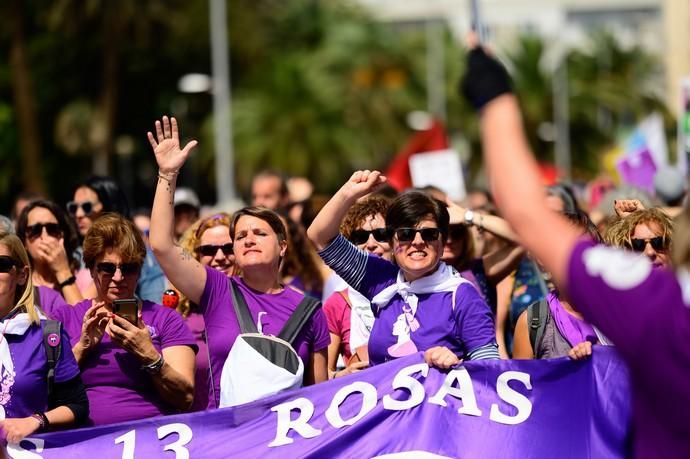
<point x="462" y="329"/>
<point x="195" y="322"/>
<point x="642" y="310"/>
<point x="578" y="410"/>
<point x="638" y="169"/>
<point x="574" y="330"/>
<point x="118" y="389"/>
<point x="27" y="390"/>
<point x="50" y="300"/>
<point x="222" y="327"/>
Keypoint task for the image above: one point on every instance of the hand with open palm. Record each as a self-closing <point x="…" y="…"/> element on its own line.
<point x="166" y="146"/>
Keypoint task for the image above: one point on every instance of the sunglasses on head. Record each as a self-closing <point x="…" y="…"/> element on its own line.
<point x="408" y="234"/>
<point x="127" y="269"/>
<point x="658" y="244"/>
<point x="210" y="250"/>
<point x="6" y="264"/>
<point x="86" y="207"/>
<point x="360" y="236"/>
<point x="35" y="231"/>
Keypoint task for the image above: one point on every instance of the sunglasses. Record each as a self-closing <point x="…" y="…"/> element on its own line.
<point x="6" y="264"/>
<point x="35" y="231"/>
<point x="210" y="250"/>
<point x="127" y="269"/>
<point x="86" y="207"/>
<point x="359" y="237"/>
<point x="658" y="244"/>
<point x="408" y="234"/>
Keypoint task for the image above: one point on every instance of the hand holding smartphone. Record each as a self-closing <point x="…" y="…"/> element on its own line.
<point x="128" y="309"/>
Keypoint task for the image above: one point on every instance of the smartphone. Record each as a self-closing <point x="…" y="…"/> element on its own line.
<point x="127" y="308"/>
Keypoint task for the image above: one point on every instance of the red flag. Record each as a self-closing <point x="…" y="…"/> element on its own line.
<point x="432" y="139"/>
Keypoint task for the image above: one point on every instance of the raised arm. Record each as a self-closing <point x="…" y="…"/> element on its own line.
<point x="179" y="266"/>
<point x="512" y="168"/>
<point x="325" y="226"/>
<point x="491" y="223"/>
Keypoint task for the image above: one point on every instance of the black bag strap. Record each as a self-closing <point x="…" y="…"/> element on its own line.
<point x="299" y="318"/>
<point x="536" y="321"/>
<point x="244" y="316"/>
<point x="52" y="346"/>
<point x="37" y="297"/>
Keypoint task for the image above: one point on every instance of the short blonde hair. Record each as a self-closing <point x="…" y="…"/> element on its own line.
<point x="24" y="295"/>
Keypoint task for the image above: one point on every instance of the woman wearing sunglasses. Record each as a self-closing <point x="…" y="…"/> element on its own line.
<point x="26" y="406"/>
<point x="348" y="312"/>
<point x="645" y="231"/>
<point x="420" y="303"/>
<point x="51" y="242"/>
<point x="208" y="240"/>
<point x="259" y="243"/>
<point x="132" y="368"/>
<point x="644" y="311"/>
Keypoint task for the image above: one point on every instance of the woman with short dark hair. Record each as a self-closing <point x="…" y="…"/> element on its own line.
<point x="420" y="303"/>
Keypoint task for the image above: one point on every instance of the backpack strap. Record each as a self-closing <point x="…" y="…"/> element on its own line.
<point x="244" y="316"/>
<point x="52" y="345"/>
<point x="536" y="321"/>
<point x="305" y="309"/>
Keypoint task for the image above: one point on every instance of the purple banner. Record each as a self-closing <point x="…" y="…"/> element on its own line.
<point x="489" y="409"/>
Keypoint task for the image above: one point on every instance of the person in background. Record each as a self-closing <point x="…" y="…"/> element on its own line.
<point x="348" y="312"/>
<point x="21" y="201"/>
<point x="187" y="209"/>
<point x="27" y="406"/>
<point x="52" y="242"/>
<point x="93" y="197"/>
<point x="617" y="292"/>
<point x="301" y="268"/>
<point x="259" y="244"/>
<point x="209" y="242"/>
<point x="269" y="189"/>
<point x="132" y="370"/>
<point x="420" y="303"/>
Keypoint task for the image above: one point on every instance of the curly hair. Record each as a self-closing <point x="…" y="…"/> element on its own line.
<point x="620" y="232"/>
<point x="190" y="241"/>
<point x="357" y="215"/>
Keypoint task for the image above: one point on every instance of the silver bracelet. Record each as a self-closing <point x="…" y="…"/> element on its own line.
<point x="155" y="367"/>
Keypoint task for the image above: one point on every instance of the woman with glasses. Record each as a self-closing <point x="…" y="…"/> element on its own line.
<point x="420" y="303"/>
<point x="645" y="231"/>
<point x="348" y="312"/>
<point x="208" y="240"/>
<point x="51" y="241"/>
<point x="259" y="242"/>
<point x="136" y="365"/>
<point x="27" y="405"/>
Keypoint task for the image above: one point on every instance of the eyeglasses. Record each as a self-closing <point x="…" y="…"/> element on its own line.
<point x="359" y="237"/>
<point x="86" y="206"/>
<point x="658" y="244"/>
<point x="36" y="230"/>
<point x="210" y="250"/>
<point x="6" y="264"/>
<point x="127" y="269"/>
<point x="408" y="234"/>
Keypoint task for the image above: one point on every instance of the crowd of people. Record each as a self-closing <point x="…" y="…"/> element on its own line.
<point x="160" y="310"/>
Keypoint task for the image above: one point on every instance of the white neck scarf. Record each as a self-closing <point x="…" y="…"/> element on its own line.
<point x="361" y="306"/>
<point x="444" y="279"/>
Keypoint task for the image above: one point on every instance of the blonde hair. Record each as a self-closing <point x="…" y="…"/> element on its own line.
<point x="24" y="294"/>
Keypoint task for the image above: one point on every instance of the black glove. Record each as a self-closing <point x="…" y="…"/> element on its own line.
<point x="484" y="80"/>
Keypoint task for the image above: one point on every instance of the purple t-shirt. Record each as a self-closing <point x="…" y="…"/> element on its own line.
<point x="50" y="299"/>
<point x="118" y="389"/>
<point x="195" y="322"/>
<point x="462" y="329"/>
<point x="272" y="310"/>
<point x="26" y="392"/>
<point x="646" y="314"/>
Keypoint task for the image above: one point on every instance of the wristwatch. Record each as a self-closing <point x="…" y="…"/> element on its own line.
<point x="469" y="217"/>
<point x="155" y="367"/>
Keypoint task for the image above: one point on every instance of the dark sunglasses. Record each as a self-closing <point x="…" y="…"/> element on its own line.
<point x="35" y="231"/>
<point x="127" y="269"/>
<point x="6" y="264"/>
<point x="658" y="244"/>
<point x="86" y="206"/>
<point x="359" y="237"/>
<point x="408" y="234"/>
<point x="210" y="250"/>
